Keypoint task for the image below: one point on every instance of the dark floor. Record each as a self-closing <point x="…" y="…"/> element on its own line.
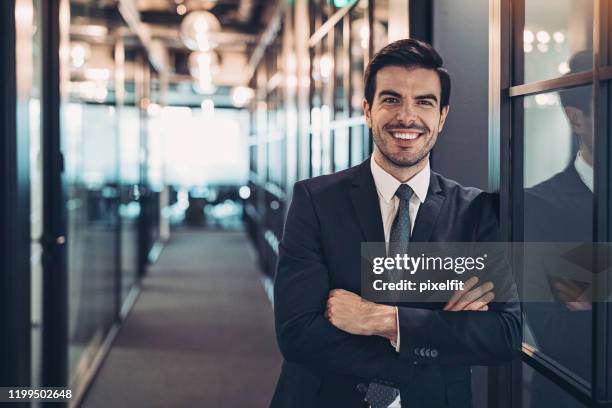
<point x="200" y="335"/>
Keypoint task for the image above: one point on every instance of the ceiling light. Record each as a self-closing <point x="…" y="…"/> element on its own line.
<point x="196" y="28"/>
<point x="181" y="9"/>
<point x="241" y="95"/>
<point x="89" y="30"/>
<point x="528" y="37"/>
<point x="203" y="63"/>
<point x="559" y="37"/>
<point x="326" y="65"/>
<point x="543" y="37"/>
<point x="79" y="53"/>
<point x="543" y="47"/>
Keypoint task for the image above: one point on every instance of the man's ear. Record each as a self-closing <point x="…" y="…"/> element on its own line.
<point x="443" y="115"/>
<point x="367" y="112"/>
<point x="575" y="117"/>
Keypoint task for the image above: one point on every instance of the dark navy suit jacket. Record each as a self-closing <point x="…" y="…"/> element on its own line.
<point x="328" y="219"/>
<point x="559" y="209"/>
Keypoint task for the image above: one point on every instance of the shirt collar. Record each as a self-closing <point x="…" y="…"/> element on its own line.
<point x="584" y="170"/>
<point x="387" y="185"/>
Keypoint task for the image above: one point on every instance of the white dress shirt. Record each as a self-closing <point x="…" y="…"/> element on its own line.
<point x="584" y="170"/>
<point x="386" y="186"/>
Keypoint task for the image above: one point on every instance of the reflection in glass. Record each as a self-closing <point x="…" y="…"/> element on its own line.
<point x="90" y="176"/>
<point x="90" y="146"/>
<point x="535" y="384"/>
<point x="551" y="38"/>
<point x="558" y="178"/>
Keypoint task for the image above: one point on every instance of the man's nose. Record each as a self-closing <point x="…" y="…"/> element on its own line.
<point x="406" y="113"/>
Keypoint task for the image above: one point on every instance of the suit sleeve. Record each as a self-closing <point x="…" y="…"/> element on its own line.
<point x="301" y="289"/>
<point x="468" y="337"/>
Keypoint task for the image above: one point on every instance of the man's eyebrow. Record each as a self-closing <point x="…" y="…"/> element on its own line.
<point x="427" y="96"/>
<point x="389" y="92"/>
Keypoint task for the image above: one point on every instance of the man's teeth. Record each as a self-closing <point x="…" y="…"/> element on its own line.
<point x="405" y="136"/>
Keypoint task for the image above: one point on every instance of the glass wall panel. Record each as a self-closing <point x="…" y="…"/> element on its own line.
<point x="358" y="54"/>
<point x="36" y="190"/>
<point x="539" y="391"/>
<point x="129" y="179"/>
<point x="359" y="144"/>
<point x="558" y="201"/>
<point x="340" y="58"/>
<point x="551" y="38"/>
<point x="90" y="176"/>
<point x="381" y="24"/>
<point x="341" y="148"/>
<point x="90" y="147"/>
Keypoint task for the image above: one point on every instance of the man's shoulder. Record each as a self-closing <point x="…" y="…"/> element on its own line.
<point x="552" y="189"/>
<point x="455" y="190"/>
<point x="330" y="183"/>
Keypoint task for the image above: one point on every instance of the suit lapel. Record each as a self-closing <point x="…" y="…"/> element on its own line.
<point x="428" y="213"/>
<point x="365" y="202"/>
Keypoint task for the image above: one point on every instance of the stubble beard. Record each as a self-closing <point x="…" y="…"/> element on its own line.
<point x="401" y="159"/>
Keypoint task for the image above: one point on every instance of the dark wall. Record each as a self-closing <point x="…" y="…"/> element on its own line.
<point x="460" y="34"/>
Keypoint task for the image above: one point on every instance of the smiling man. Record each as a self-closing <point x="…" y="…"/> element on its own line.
<point x="343" y="351"/>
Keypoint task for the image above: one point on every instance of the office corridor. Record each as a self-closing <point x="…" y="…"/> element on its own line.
<point x="201" y="333"/>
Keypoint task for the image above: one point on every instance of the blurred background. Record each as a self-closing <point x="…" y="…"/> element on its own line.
<point x="151" y="146"/>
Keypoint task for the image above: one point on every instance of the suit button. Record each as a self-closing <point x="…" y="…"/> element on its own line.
<point x="434" y="353"/>
<point x="422" y="352"/>
<point x="362" y="388"/>
<point x="427" y="353"/>
<point x="416" y="351"/>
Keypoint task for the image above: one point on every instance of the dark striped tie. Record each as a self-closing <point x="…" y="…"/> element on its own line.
<point x="381" y="396"/>
<point x="400" y="229"/>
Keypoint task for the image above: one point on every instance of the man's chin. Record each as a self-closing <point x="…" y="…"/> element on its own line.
<point x="405" y="161"/>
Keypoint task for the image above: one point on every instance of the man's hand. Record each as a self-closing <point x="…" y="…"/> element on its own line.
<point x="353" y="314"/>
<point x="575" y="298"/>
<point x="471" y="298"/>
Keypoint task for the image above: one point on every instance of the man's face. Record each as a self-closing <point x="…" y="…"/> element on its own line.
<point x="405" y="115"/>
<point x="581" y="123"/>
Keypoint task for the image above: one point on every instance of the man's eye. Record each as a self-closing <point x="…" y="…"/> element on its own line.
<point x="390" y="100"/>
<point x="425" y="102"/>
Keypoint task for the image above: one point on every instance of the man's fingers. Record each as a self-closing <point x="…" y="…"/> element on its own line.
<point x="469" y="284"/>
<point x="470" y="296"/>
<point x="567" y="290"/>
<point x="481" y="302"/>
<point x="473" y="295"/>
<point x="336" y="292"/>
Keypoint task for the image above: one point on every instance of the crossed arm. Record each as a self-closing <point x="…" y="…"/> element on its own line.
<point x="351" y="313"/>
<point x="311" y="332"/>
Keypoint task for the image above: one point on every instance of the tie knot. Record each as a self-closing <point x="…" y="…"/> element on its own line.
<point x="404" y="192"/>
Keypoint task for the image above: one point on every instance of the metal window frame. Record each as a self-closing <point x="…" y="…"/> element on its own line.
<point x="15" y="328"/>
<point x="55" y="274"/>
<point x="506" y="153"/>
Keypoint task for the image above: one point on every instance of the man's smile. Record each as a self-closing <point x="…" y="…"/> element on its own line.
<point x="406" y="135"/>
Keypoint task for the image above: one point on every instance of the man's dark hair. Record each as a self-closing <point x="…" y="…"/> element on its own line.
<point x="579" y="97"/>
<point x="409" y="53"/>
